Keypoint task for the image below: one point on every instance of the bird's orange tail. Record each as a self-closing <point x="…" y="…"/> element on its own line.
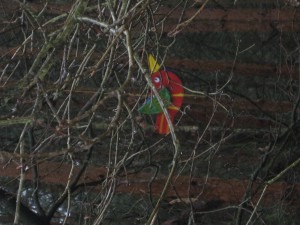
<point x="162" y="125"/>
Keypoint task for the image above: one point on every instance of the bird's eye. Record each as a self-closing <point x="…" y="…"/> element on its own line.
<point x="156" y="80"/>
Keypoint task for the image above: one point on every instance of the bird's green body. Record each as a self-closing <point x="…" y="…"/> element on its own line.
<point x="152" y="105"/>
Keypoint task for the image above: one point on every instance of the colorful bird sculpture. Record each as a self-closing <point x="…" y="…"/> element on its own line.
<point x="170" y="90"/>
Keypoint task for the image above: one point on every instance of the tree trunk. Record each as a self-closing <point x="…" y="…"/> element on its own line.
<point x="27" y="217"/>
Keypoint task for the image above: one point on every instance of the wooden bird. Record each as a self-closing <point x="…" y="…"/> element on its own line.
<point x="170" y="90"/>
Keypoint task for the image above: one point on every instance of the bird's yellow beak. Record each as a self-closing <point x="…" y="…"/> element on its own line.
<point x="153" y="64"/>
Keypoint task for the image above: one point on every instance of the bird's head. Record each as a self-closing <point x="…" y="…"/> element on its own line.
<point x="160" y="79"/>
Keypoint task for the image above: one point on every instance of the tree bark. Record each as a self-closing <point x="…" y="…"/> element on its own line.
<point x="27" y="217"/>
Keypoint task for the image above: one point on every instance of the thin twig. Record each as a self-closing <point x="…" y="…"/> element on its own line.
<point x="21" y="181"/>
